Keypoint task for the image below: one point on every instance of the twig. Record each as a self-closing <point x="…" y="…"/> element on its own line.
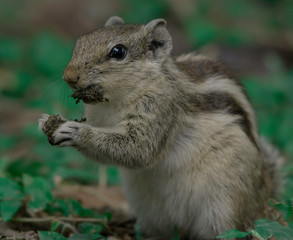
<point x="67" y="226"/>
<point x="61" y="219"/>
<point x="278" y="216"/>
<point x="269" y="237"/>
<point x="12" y="238"/>
<point x="53" y="218"/>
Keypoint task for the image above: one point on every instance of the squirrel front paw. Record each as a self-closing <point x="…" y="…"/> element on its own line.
<point x="58" y="130"/>
<point x="66" y="134"/>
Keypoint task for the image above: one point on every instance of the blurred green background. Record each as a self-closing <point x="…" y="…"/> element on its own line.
<point x="253" y="37"/>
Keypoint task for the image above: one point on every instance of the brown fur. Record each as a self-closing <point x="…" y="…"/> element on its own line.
<point x="201" y="69"/>
<point x="218" y="101"/>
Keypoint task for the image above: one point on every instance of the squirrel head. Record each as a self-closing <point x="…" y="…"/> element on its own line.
<point x="119" y="57"/>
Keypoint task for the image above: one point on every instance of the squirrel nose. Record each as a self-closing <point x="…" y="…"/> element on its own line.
<point x="71" y="74"/>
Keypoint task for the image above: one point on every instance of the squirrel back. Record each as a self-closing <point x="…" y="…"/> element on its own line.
<point x="199" y="68"/>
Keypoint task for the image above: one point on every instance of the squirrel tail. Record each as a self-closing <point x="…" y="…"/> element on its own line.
<point x="273" y="161"/>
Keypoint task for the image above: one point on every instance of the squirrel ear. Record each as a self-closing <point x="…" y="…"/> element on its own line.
<point x="114" y="21"/>
<point x="160" y="40"/>
<point x="154" y="24"/>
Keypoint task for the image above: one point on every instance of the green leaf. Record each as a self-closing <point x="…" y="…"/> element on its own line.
<point x="138" y="233"/>
<point x="39" y="191"/>
<point x="6" y="142"/>
<point x="284" y="209"/>
<point x="175" y="235"/>
<point x="289" y="149"/>
<point x="81" y="174"/>
<point x="265" y="228"/>
<point x="4" y="161"/>
<point x="60" y="206"/>
<point x="108" y="216"/>
<point x="112" y="175"/>
<point x="10" y="49"/>
<point x="10" y="196"/>
<point x="67" y="207"/>
<point x="17" y="167"/>
<point x="90" y="228"/>
<point x="233" y="233"/>
<point x="54" y="225"/>
<point x="78" y="210"/>
<point x="50" y="236"/>
<point x="8" y="209"/>
<point x="288" y="186"/>
<point x="9" y="189"/>
<point x="80" y="236"/>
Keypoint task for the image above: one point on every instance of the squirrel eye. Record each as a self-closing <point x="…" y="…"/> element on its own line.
<point x="118" y="52"/>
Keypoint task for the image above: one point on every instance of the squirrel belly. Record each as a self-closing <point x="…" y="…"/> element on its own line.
<point x="181" y="130"/>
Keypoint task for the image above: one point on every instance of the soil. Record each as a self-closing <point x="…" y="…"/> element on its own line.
<point x="51" y="125"/>
<point x="90" y="94"/>
<point x="82" y="120"/>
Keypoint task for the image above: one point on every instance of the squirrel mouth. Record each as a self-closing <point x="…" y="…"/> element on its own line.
<point x="90" y="95"/>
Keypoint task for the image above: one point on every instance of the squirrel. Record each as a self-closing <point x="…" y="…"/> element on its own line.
<point x="180" y="129"/>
